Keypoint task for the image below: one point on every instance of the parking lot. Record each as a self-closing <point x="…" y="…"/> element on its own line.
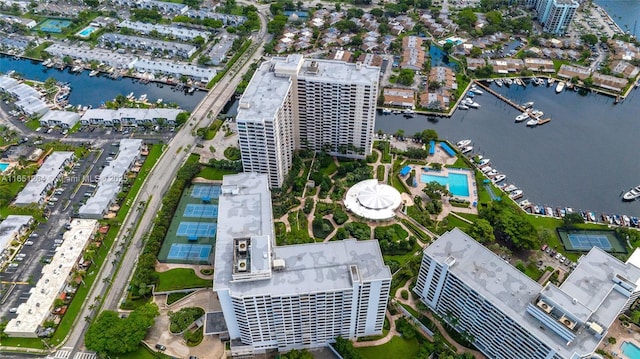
<point x="24" y="271"/>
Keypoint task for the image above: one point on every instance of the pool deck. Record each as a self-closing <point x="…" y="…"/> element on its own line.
<point x="622" y="334"/>
<point x="440" y="156"/>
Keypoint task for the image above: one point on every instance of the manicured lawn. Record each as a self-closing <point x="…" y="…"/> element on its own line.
<point x="214" y="173"/>
<point x="180" y="278"/>
<point x="330" y="169"/>
<point x="380" y="173"/>
<point x="383" y="146"/>
<point x="398" y="347"/>
<point x="456" y="222"/>
<point x="23" y="342"/>
<point x="143" y="353"/>
<point x="470" y="216"/>
<point x="461" y="162"/>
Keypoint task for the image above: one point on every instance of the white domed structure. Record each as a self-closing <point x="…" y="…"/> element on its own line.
<point x="372" y="200"/>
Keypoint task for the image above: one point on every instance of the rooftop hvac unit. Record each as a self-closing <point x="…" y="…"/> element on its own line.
<point x="242" y="265"/>
<point x="544" y="306"/>
<point x="567" y="322"/>
<point x="242" y="246"/>
<point x="278" y="264"/>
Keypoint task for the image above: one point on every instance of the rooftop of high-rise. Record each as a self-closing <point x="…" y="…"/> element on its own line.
<point x="592" y="293"/>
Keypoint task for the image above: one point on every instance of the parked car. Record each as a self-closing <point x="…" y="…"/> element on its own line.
<point x="160" y="347"/>
<point x="28" y="243"/>
<point x="544" y="247"/>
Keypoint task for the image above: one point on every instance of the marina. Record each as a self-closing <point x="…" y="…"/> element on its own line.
<point x="566" y="163"/>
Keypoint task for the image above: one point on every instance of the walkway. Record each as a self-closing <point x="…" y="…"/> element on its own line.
<point x="387" y="338"/>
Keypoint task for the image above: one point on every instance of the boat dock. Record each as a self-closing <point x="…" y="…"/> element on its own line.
<point x="509" y="102"/>
<point x="542" y="122"/>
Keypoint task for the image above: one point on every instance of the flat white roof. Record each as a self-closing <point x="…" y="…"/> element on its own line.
<point x="34" y="191"/>
<point x="54" y="277"/>
<point x="111" y="178"/>
<point x="245" y="212"/>
<point x="10" y="229"/>
<point x="169" y="114"/>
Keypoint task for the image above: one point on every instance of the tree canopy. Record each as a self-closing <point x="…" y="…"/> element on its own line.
<point x="111" y="335"/>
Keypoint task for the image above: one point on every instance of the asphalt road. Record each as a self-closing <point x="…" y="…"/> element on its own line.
<point x="157" y="183"/>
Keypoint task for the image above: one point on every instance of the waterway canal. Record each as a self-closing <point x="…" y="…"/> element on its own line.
<point x="584" y="158"/>
<point x="86" y="90"/>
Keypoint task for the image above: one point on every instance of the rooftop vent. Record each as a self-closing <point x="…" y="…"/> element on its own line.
<point x="567" y="322"/>
<point x="313" y="67"/>
<point x="242" y="246"/>
<point x="242" y="265"/>
<point x="544" y="306"/>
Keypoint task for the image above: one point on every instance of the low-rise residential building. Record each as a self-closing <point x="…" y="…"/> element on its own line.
<point x="130" y="116"/>
<point x="111" y="180"/>
<point x="435" y="100"/>
<point x="53" y="282"/>
<point x="399" y="97"/>
<point x="218" y="52"/>
<point x="62" y="119"/>
<point x="509" y="315"/>
<point x="165" y="8"/>
<point x="11" y="229"/>
<point x="444" y="76"/>
<point x="177" y="32"/>
<point x="147" y="44"/>
<point x="370" y="60"/>
<point x="227" y="19"/>
<point x="413" y="55"/>
<point x="539" y="65"/>
<point x="624" y="68"/>
<point x="570" y="71"/>
<point x="621" y="50"/>
<point x="202" y="74"/>
<point x="609" y="82"/>
<point x="45" y="179"/>
<point x="474" y="64"/>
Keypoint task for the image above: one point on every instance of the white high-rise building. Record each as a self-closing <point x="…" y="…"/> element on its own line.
<point x="556" y="15"/>
<point x="507" y="315"/>
<point x="295" y="103"/>
<point x="288" y="297"/>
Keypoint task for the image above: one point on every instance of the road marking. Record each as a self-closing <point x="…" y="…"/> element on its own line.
<point x="61" y="354"/>
<point x="82" y="355"/>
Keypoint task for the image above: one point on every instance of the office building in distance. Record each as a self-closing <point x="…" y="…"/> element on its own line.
<point x="290" y="297"/>
<point x="556" y="15"/>
<point x="295" y="103"/>
<point x="508" y="315"/>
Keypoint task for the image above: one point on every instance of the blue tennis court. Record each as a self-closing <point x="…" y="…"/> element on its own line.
<point x="205" y="191"/>
<point x="196" y="252"/>
<point x="196" y="229"/>
<point x="201" y="210"/>
<point x="588" y="241"/>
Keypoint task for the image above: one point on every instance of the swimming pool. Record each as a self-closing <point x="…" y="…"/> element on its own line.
<point x="458" y="182"/>
<point x="87" y="31"/>
<point x="630" y="350"/>
<point x="3" y="166"/>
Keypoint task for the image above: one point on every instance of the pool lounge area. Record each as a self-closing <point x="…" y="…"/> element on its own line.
<point x="457" y="183"/>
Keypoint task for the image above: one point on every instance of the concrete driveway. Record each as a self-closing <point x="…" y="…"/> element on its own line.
<point x="210" y="347"/>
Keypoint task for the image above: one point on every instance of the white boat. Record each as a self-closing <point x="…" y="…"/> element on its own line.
<point x="486" y="169"/>
<point x="626" y="220"/>
<point x="518" y="82"/>
<point x="130" y="96"/>
<point x="143" y="97"/>
<point x="93" y="73"/>
<point x="463" y="143"/>
<point x="510" y="188"/>
<point x="524" y="203"/>
<point x="466" y="149"/>
<point x="499" y="82"/>
<point x="493" y="172"/>
<point x="508" y="81"/>
<point x="522" y="117"/>
<point x="499" y="177"/>
<point x="516" y="194"/>
<point x="159" y="101"/>
<point x="632" y="194"/>
<point x="477" y="91"/>
<point x="536" y="113"/>
<point x="532" y="123"/>
<point x="484" y="162"/>
<point x="560" y="86"/>
<point x="463" y="107"/>
<point x="548" y="211"/>
<point x="469" y="102"/>
<point x="386" y="111"/>
<point x="409" y="111"/>
<point x="528" y="104"/>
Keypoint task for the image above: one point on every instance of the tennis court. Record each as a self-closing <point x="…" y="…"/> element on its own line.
<point x="54" y="26"/>
<point x="584" y="240"/>
<point x="201" y="211"/>
<point x="196" y="229"/>
<point x="587" y="241"/>
<point x="193" y="252"/>
<point x="205" y="191"/>
<point x="193" y="224"/>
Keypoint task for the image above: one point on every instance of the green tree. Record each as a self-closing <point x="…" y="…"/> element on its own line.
<point x="482" y="231"/>
<point x="571" y="219"/>
<point x="475" y="52"/>
<point x="111" y="335"/>
<point x="297" y="354"/>
<point x="590" y="39"/>
<point x="406" y="77"/>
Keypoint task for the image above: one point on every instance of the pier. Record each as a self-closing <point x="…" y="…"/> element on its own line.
<point x="508" y="101"/>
